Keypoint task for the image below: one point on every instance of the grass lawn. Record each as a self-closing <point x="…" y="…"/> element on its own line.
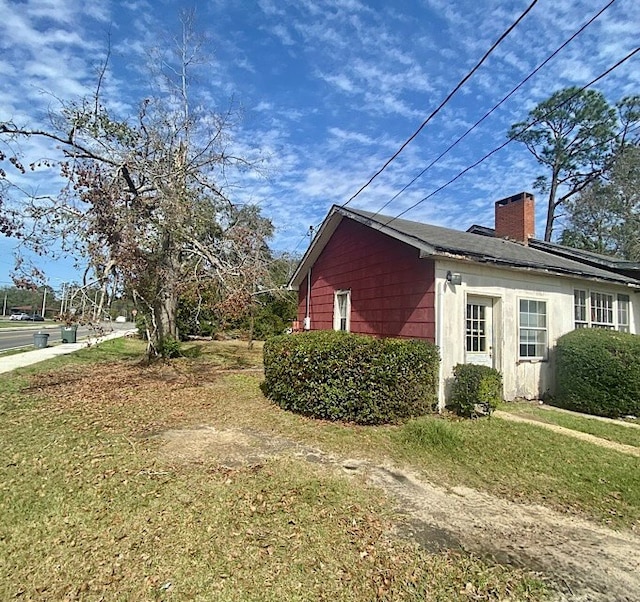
<point x="605" y="430"/>
<point x="24" y="323"/>
<point x="93" y="508"/>
<point x="526" y="463"/>
<point x="9" y="352"/>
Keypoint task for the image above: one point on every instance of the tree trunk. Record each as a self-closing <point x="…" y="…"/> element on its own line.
<point x="165" y="303"/>
<point x="100" y="307"/>
<point x="252" y="321"/>
<point x="551" y="206"/>
<point x="165" y="309"/>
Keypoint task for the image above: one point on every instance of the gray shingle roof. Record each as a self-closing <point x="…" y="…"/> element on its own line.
<point x="445" y="242"/>
<point x="606" y="261"/>
<point x="485" y="249"/>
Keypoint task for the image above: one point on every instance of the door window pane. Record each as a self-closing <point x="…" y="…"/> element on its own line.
<point x="476" y="328"/>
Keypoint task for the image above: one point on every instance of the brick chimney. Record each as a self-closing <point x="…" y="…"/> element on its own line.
<point x="515" y="217"/>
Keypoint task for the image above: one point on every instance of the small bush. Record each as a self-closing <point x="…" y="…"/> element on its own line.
<point x="141" y="325"/>
<point x="170" y="348"/>
<point x="476" y="390"/>
<point x="354" y="378"/>
<point x="598" y="372"/>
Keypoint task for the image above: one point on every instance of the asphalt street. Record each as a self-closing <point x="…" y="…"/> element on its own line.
<point x="22" y="336"/>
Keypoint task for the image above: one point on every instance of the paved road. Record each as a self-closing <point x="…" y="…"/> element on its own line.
<point x="22" y="336"/>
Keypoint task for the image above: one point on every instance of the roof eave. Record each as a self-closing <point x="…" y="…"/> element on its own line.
<point x="337" y="213"/>
<point x="319" y="241"/>
<point x="611" y="263"/>
<point x="557" y="271"/>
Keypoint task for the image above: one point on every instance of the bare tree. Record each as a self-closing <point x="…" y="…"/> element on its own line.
<point x="145" y="197"/>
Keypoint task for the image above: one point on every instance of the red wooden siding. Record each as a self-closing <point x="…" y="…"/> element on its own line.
<point x="392" y="289"/>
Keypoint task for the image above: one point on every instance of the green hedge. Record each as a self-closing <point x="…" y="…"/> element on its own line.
<point x="598" y="372"/>
<point x="354" y="378"/>
<point x="476" y="390"/>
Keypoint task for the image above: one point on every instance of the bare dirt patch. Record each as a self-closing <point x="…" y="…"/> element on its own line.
<point x="586" y="562"/>
<point x="231" y="448"/>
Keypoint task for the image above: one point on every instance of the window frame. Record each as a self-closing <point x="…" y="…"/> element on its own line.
<point x="531" y="328"/>
<point x="337" y="314"/>
<point x="601" y="309"/>
<point x="623" y="312"/>
<point x="476" y="328"/>
<point x="580" y="317"/>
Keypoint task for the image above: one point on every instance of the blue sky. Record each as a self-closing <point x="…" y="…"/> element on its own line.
<point x="328" y="90"/>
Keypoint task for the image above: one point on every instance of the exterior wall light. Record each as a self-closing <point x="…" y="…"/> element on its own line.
<point x="454" y="278"/>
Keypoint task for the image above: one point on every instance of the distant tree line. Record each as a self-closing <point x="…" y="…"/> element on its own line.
<point x="31" y="298"/>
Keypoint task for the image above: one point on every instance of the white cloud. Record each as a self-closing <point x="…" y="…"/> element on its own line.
<point x="332" y="88"/>
<point x="282" y="33"/>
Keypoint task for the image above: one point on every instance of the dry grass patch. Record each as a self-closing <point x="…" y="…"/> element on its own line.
<point x="219" y="386"/>
<point x="102" y="500"/>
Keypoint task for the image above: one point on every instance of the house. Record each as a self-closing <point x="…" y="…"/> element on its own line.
<point x="496" y="297"/>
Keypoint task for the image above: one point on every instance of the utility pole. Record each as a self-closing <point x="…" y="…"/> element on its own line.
<point x="64" y="294"/>
<point x="95" y="307"/>
<point x="44" y="301"/>
<point x="4" y="307"/>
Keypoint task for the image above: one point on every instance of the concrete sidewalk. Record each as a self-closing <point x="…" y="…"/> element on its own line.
<point x="20" y="360"/>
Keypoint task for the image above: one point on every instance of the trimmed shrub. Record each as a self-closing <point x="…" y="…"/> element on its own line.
<point x="476" y="390"/>
<point x="353" y="378"/>
<point x="598" y="372"/>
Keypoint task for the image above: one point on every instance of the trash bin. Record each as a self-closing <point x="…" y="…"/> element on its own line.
<point x="69" y="333"/>
<point x="40" y="340"/>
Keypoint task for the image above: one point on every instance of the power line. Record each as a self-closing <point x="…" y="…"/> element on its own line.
<point x="513" y="137"/>
<point x="300" y="241"/>
<point x="308" y="234"/>
<point x="446" y="100"/>
<point x="488" y="113"/>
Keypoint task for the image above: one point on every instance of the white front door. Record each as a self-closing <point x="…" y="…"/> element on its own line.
<point x="479" y="331"/>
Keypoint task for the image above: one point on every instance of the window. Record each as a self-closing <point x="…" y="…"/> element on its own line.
<point x="476" y="328"/>
<point x="533" y="328"/>
<point x="342" y="311"/>
<point x="580" y="309"/>
<point x="623" y="313"/>
<point x="602" y="311"/>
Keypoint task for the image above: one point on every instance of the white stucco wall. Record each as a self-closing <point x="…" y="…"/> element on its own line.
<point x="522" y="378"/>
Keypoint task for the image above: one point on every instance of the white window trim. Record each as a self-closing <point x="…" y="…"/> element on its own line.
<point x="603" y="308"/>
<point x="615" y="324"/>
<point x="584" y="323"/>
<point x="480" y="333"/>
<point x="623" y="326"/>
<point x="336" y="310"/>
<point x="545" y="329"/>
